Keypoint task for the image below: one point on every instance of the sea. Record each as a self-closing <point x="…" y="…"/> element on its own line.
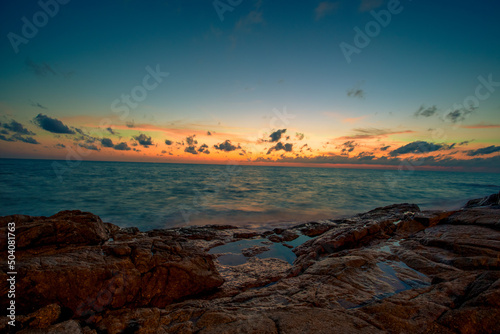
<point x="163" y="195"/>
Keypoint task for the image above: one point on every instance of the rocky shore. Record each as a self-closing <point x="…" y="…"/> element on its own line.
<point x="395" y="269"/>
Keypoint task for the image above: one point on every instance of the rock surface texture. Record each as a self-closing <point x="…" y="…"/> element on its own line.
<point x="395" y="269"/>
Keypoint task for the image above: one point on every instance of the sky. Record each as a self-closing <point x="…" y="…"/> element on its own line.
<point x="358" y="83"/>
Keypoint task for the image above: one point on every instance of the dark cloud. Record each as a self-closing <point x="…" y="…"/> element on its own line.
<point x="209" y="133"/>
<point x="168" y="142"/>
<point x="204" y="149"/>
<point x="348" y="147"/>
<point x="425" y="111"/>
<point x="370" y="133"/>
<point x="18" y="137"/>
<point x="51" y="124"/>
<point x="130" y="124"/>
<point x="299" y="136"/>
<point x="279" y="146"/>
<point x="226" y="146"/>
<point x="17" y="127"/>
<point x="163" y="152"/>
<point x="191" y="141"/>
<point x="484" y="151"/>
<point x="465" y="143"/>
<point x="38" y="105"/>
<point x="89" y="146"/>
<point x="106" y="142"/>
<point x="123" y="146"/>
<point x="356" y="93"/>
<point x="2" y="137"/>
<point x="191" y="149"/>
<point x="458" y="115"/>
<point x="110" y="130"/>
<point x="419" y="147"/>
<point x="39" y="69"/>
<point x="59" y="145"/>
<point x="143" y="140"/>
<point x="276" y="135"/>
<point x="384" y="148"/>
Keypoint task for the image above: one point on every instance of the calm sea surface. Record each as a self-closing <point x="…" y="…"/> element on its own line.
<point x="150" y="195"/>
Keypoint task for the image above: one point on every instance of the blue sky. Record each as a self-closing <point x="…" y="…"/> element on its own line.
<point x="227" y="76"/>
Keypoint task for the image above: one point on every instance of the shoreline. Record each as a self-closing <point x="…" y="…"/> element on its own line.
<point x="375" y="271"/>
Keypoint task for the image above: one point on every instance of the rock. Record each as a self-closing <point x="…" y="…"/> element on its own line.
<point x="252" y="251"/>
<point x="490" y="200"/>
<point x="275" y="238"/>
<point x="63" y="228"/>
<point x="86" y="277"/>
<point x="245" y="235"/>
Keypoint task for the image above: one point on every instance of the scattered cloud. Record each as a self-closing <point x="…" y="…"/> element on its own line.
<point x="384" y="148"/>
<point x="168" y="142"/>
<point x="89" y="146"/>
<point x="191" y="149"/>
<point x="59" y="145"/>
<point x="123" y="146"/>
<point x="17" y="127"/>
<point x="52" y="124"/>
<point x="484" y="151"/>
<point x="419" y="147"/>
<point x="356" y="93"/>
<point x="204" y="149"/>
<point x="143" y="140"/>
<point x="299" y="136"/>
<point x="226" y="146"/>
<point x="353" y="119"/>
<point x="209" y="133"/>
<point x="40" y="70"/>
<point x="18" y="137"/>
<point x="191" y="141"/>
<point x="106" y="142"/>
<point x="110" y="130"/>
<point x="279" y="146"/>
<point x="370" y="133"/>
<point x="425" y="111"/>
<point x="130" y="124"/>
<point x="481" y="126"/>
<point x="325" y="8"/>
<point x="276" y="135"/>
<point x="458" y="115"/>
<point x="348" y="147"/>
<point x="38" y="105"/>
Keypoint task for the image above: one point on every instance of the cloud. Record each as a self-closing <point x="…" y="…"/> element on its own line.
<point x="481" y="126"/>
<point x="204" y="149"/>
<point x="276" y="135"/>
<point x="18" y="137"/>
<point x="52" y="124"/>
<point x="38" y="105"/>
<point x="106" y="142"/>
<point x="226" y="146"/>
<point x="458" y="115"/>
<point x="279" y="146"/>
<point x="130" y="124"/>
<point x="110" y="130"/>
<point x="299" y="136"/>
<point x="168" y="142"/>
<point x="123" y="146"/>
<point x="39" y="69"/>
<point x="384" y="148"/>
<point x="370" y="133"/>
<point x="89" y="146"/>
<point x="209" y="133"/>
<point x="191" y="149"/>
<point x="59" y="145"/>
<point x="353" y="119"/>
<point x="425" y="111"/>
<point x="143" y="140"/>
<point x="419" y="147"/>
<point x="17" y="127"/>
<point x="191" y="141"/>
<point x="367" y="5"/>
<point x="325" y="8"/>
<point x="348" y="147"/>
<point x="484" y="151"/>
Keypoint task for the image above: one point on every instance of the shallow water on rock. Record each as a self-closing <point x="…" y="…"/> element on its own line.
<point x="232" y="255"/>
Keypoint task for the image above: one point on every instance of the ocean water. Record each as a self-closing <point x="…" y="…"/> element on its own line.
<point x="155" y="195"/>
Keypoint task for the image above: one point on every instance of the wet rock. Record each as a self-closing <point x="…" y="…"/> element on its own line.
<point x="252" y="251"/>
